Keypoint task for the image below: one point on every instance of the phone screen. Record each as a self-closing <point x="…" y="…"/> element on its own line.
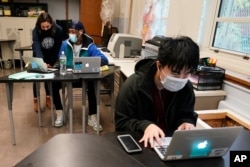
<point x="129" y="143"/>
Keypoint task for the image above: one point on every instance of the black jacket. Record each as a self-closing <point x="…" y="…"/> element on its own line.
<point x="47" y="46"/>
<point x="135" y="110"/>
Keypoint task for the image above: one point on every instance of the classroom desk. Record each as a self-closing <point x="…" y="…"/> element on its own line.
<point x="7" y="47"/>
<point x="78" y="150"/>
<point x="148" y="156"/>
<point x="21" y="50"/>
<point x="67" y="79"/>
<point x="9" y="91"/>
<point x="97" y="78"/>
<point x="91" y="150"/>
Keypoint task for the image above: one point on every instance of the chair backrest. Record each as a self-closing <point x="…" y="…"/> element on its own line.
<point x="108" y="30"/>
<point x="64" y="24"/>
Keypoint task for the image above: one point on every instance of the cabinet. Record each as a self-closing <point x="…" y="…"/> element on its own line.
<point x="18" y="28"/>
<point x="209" y="99"/>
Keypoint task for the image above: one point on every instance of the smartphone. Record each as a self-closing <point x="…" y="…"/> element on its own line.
<point x="129" y="143"/>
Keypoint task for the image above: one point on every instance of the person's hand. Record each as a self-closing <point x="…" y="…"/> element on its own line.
<point x="151" y="133"/>
<point x="186" y="126"/>
<point x="48" y="66"/>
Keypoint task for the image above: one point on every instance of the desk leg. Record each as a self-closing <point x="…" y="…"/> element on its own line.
<point x="97" y="88"/>
<point x="83" y="106"/>
<point x="21" y="60"/>
<point x="9" y="91"/>
<point x="11" y="46"/>
<point x="112" y="80"/>
<point x="52" y="103"/>
<point x="70" y="99"/>
<point x="65" y="113"/>
<point x="38" y="103"/>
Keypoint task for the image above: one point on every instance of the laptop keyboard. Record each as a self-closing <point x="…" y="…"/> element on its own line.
<point x="163" y="149"/>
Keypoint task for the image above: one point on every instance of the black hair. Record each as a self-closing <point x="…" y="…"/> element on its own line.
<point x="178" y="53"/>
<point x="45" y="17"/>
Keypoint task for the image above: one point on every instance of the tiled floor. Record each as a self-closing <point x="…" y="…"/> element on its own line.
<point x="29" y="136"/>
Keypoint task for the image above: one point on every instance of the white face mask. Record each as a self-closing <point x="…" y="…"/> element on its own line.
<point x="72" y="38"/>
<point x="173" y="84"/>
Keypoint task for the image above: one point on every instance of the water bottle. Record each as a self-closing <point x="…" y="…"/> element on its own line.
<point x="63" y="60"/>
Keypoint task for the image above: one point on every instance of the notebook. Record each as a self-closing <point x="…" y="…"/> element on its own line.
<point x="86" y="64"/>
<point x="36" y="64"/>
<point x="30" y="75"/>
<point x="197" y="143"/>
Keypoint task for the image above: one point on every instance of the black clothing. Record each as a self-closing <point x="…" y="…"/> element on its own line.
<point x="135" y="107"/>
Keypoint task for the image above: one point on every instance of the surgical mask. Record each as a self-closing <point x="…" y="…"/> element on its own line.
<point x="173" y="84"/>
<point x="73" y="38"/>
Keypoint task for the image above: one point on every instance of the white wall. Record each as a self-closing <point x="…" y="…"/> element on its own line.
<point x="184" y="19"/>
<point x="57" y="9"/>
<point x="136" y="19"/>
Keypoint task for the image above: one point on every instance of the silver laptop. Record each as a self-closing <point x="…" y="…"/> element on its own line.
<point x="36" y="64"/>
<point x="197" y="143"/>
<point x="86" y="64"/>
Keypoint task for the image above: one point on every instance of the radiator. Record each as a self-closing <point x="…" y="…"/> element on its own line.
<point x="237" y="99"/>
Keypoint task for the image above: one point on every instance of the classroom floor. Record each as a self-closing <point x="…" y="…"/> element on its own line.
<point x="29" y="136"/>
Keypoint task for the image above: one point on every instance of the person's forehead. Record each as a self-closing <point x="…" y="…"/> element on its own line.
<point x="45" y="23"/>
<point x="173" y="69"/>
<point x="72" y="30"/>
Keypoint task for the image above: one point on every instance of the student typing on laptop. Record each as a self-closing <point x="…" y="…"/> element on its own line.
<point x="158" y="97"/>
<point x="47" y="40"/>
<point x="79" y="44"/>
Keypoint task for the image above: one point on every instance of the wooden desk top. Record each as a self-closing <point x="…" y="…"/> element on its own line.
<point x="66" y="78"/>
<point x="148" y="157"/>
<point x="78" y="150"/>
<point x="93" y="150"/>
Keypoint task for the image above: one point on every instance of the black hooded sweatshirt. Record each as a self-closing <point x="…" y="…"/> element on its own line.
<point x="135" y="107"/>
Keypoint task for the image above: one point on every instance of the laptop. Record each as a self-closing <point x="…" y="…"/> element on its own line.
<point x="197" y="143"/>
<point x="86" y="64"/>
<point x="36" y="64"/>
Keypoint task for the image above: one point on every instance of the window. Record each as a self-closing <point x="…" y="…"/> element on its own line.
<point x="232" y="27"/>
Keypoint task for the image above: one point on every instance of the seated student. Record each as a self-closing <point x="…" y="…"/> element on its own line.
<point x="79" y="44"/>
<point x="158" y="97"/>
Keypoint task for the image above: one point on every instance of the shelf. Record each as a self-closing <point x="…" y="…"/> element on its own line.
<point x="19" y="9"/>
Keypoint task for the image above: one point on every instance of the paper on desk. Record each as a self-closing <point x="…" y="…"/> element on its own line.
<point x="21" y="75"/>
<point x="42" y="76"/>
<point x="31" y="75"/>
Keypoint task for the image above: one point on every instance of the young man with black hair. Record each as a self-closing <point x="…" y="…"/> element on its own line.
<point x="79" y="44"/>
<point x="158" y="97"/>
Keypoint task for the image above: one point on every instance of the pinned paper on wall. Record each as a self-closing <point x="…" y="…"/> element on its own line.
<point x="150" y="19"/>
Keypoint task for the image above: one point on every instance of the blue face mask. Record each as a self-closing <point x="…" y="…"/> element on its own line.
<point x="72" y="38"/>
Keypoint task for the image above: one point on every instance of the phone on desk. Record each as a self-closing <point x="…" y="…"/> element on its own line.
<point x="129" y="143"/>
